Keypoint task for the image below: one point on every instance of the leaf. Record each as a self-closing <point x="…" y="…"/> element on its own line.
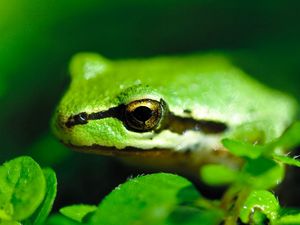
<point x="288" y="220"/>
<point x="286" y="160"/>
<point x="43" y="211"/>
<point x="10" y="222"/>
<point x="214" y="174"/>
<point x="262" y="173"/>
<point x="22" y="188"/>
<point x="58" y="219"/>
<point x="288" y="217"/>
<point x="188" y="215"/>
<point x="291" y="137"/>
<point x="77" y="212"/>
<point x="244" y="149"/>
<point x="261" y="201"/>
<point x="150" y="199"/>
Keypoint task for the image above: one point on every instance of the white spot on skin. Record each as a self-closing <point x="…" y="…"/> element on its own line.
<point x="92" y="69"/>
<point x="137" y="82"/>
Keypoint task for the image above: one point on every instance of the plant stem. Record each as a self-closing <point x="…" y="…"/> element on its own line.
<point x="232" y="201"/>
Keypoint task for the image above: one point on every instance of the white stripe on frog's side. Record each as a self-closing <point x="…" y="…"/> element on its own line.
<point x="188" y="141"/>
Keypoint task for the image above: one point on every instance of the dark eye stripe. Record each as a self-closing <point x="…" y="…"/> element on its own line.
<point x="174" y="123"/>
<point x="116" y="112"/>
<point x="179" y="125"/>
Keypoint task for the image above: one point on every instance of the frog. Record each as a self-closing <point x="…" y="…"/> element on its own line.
<point x="168" y="112"/>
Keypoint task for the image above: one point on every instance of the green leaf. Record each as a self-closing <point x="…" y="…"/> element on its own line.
<point x="290" y="138"/>
<point x="244" y="149"/>
<point x="286" y="160"/>
<point x="262" y="173"/>
<point x="77" y="212"/>
<point x="150" y="199"/>
<point x="58" y="219"/>
<point x="43" y="211"/>
<point x="10" y="222"/>
<point x="188" y="215"/>
<point x="260" y="201"/>
<point x="214" y="174"/>
<point x="288" y="217"/>
<point x="288" y="220"/>
<point x="22" y="188"/>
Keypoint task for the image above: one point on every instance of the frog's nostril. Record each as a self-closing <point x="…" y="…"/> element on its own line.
<point x="81" y="118"/>
<point x="58" y="122"/>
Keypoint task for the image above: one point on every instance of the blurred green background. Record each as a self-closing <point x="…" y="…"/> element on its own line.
<point x="37" y="39"/>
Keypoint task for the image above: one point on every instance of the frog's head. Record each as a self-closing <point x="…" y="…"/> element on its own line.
<point x="108" y="107"/>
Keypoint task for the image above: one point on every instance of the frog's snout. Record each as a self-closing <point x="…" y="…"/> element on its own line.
<point x="59" y="124"/>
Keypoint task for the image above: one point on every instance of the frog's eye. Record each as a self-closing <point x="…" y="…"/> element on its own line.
<point x="143" y="115"/>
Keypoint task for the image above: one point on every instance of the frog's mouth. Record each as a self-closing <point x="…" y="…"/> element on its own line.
<point x="127" y="151"/>
<point x="185" y="162"/>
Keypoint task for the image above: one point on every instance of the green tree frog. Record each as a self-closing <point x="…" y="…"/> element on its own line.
<point x="167" y="111"/>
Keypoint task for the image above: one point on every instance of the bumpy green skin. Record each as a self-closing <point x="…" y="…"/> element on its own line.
<point x="208" y="85"/>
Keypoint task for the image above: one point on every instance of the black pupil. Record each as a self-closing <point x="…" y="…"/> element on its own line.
<point x="142" y="113"/>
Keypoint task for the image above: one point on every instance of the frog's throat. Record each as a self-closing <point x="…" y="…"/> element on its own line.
<point x="174" y="123"/>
